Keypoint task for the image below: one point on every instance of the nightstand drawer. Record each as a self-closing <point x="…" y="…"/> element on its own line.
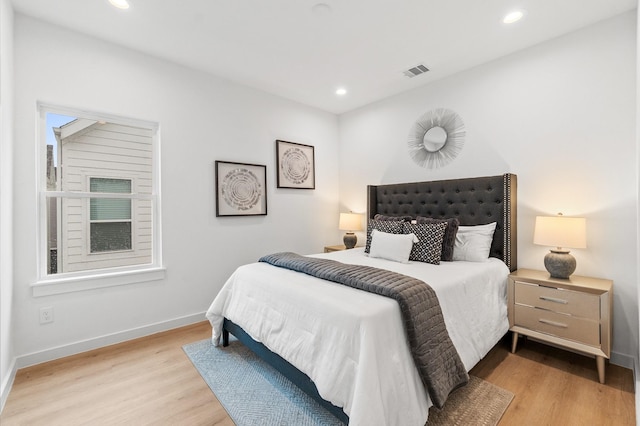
<point x="565" y="326"/>
<point x="578" y="304"/>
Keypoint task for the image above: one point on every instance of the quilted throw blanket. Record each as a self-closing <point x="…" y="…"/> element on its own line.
<point x="436" y="359"/>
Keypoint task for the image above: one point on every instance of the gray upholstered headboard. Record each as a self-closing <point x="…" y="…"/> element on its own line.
<point x="474" y="201"/>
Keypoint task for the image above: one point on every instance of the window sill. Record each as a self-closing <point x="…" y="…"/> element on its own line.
<point x="49" y="287"/>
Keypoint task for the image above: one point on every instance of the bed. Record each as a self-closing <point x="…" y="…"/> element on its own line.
<point x="347" y="348"/>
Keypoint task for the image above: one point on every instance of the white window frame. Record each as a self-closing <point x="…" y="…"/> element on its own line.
<point x="66" y="282"/>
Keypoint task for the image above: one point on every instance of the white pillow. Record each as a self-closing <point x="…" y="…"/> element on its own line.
<point x="473" y="243"/>
<point x="396" y="247"/>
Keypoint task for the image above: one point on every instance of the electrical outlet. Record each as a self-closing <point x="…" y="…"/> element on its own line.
<point x="46" y="315"/>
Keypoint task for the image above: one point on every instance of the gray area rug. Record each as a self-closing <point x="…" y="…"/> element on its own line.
<point x="253" y="393"/>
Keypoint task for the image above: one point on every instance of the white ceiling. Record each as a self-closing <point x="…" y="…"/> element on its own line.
<point x="301" y="52"/>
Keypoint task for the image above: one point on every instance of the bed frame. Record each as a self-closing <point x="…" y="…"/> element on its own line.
<point x="474" y="201"/>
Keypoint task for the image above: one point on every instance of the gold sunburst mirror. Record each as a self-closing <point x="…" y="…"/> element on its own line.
<point x="436" y="138"/>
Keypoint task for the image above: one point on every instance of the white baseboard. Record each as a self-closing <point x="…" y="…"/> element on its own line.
<point x="102" y="341"/>
<point x="623" y="360"/>
<point x="7" y="384"/>
<point x="637" y="390"/>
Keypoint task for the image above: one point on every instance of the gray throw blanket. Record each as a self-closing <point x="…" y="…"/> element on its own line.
<point x="437" y="360"/>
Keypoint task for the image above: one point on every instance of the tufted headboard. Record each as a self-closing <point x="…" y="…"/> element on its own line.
<point x="474" y="201"/>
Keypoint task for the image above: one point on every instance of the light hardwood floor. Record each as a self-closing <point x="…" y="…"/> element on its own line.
<point x="151" y="381"/>
<point x="147" y="381"/>
<point x="556" y="387"/>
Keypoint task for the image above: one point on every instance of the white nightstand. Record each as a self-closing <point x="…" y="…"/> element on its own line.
<point x="573" y="313"/>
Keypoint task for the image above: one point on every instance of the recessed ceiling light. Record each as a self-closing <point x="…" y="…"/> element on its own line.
<point x="512" y="17"/>
<point x="341" y="91"/>
<point x="120" y="4"/>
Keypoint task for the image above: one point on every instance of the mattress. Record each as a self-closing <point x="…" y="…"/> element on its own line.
<point x="352" y="343"/>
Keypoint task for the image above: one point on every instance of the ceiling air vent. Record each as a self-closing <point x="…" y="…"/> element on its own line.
<point x="417" y="70"/>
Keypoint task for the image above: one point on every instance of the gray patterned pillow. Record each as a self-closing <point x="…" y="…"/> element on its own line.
<point x="449" y="239"/>
<point x="429" y="248"/>
<point x="388" y="226"/>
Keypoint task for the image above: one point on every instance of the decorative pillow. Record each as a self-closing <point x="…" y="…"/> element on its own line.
<point x="473" y="243"/>
<point x="429" y="248"/>
<point x="449" y="239"/>
<point x="396" y="247"/>
<point x="405" y="218"/>
<point x="390" y="226"/>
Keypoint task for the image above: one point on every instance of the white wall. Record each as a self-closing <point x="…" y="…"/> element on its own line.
<point x="202" y="119"/>
<point x="561" y="115"/>
<point x="6" y="195"/>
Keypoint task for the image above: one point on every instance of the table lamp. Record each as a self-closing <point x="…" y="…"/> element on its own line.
<point x="561" y="232"/>
<point x="350" y="222"/>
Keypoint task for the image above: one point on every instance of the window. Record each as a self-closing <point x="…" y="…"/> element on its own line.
<point x="99" y="201"/>
<point x="110" y="219"/>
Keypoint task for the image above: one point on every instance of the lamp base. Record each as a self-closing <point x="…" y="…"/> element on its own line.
<point x="350" y="240"/>
<point x="560" y="263"/>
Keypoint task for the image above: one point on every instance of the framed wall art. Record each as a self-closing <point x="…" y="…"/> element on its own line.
<point x="241" y="189"/>
<point x="296" y="165"/>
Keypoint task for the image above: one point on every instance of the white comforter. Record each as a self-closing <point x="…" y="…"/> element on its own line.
<point x="352" y="343"/>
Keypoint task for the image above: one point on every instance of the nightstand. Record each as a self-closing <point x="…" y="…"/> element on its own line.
<point x="572" y="313"/>
<point x="329" y="249"/>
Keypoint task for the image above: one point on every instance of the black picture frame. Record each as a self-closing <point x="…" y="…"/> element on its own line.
<point x="241" y="189"/>
<point x="296" y="165"/>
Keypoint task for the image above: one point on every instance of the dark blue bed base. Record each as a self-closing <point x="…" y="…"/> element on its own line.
<point x="285" y="368"/>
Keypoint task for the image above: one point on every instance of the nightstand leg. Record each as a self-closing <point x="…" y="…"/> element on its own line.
<point x="600" y="364"/>
<point x="514" y="342"/>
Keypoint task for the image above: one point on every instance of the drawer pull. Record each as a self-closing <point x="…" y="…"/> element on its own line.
<point x="553" y="323"/>
<point x="553" y="299"/>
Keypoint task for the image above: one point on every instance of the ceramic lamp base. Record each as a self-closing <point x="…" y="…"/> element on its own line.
<point x="560" y="263"/>
<point x="350" y="240"/>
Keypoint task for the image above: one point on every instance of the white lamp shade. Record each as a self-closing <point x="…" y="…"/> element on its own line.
<point x="560" y="231"/>
<point x="350" y="222"/>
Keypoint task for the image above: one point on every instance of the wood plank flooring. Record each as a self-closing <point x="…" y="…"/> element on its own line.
<point x="151" y="381"/>
<point x="556" y="387"/>
<point x="147" y="381"/>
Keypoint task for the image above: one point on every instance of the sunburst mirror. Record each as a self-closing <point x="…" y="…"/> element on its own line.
<point x="436" y="138"/>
